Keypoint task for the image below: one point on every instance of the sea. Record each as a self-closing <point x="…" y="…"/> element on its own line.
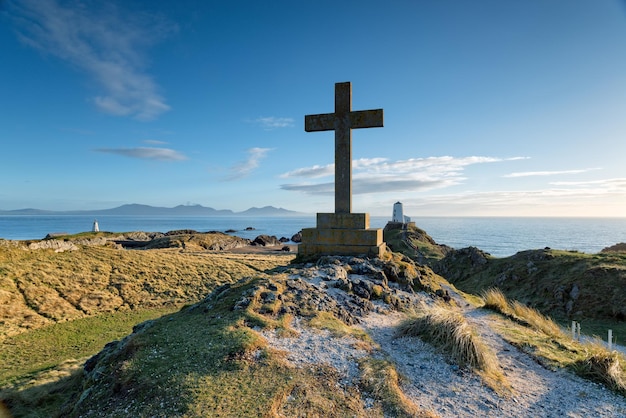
<point x="499" y="236"/>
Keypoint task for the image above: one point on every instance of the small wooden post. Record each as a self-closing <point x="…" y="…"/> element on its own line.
<point x="610" y="340"/>
<point x="573" y="330"/>
<point x="578" y="325"/>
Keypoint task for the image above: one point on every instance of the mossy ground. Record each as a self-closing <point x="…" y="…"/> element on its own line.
<point x="564" y="285"/>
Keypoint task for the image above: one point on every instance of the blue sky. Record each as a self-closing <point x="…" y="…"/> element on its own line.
<point x="492" y="107"/>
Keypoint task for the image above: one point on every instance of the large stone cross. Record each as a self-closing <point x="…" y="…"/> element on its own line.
<point x="342" y="122"/>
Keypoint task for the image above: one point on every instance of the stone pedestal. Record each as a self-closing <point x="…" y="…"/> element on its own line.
<point x="342" y="234"/>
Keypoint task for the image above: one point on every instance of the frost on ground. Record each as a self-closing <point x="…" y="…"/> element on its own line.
<point x="438" y="386"/>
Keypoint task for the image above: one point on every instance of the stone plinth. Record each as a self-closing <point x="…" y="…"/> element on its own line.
<point x="342" y="234"/>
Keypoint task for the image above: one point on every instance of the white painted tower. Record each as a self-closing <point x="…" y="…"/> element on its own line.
<point x="398" y="213"/>
<point x="95" y="226"/>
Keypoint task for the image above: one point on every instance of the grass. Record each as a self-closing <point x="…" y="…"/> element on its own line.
<point x="495" y="300"/>
<point x="56" y="309"/>
<point x="447" y="329"/>
<point x="548" y="343"/>
<point x="414" y="243"/>
<point x="381" y="381"/>
<point x="25" y="354"/>
<point x="327" y="321"/>
<point x="600" y="365"/>
<point x="564" y="285"/>
<point x="41" y="287"/>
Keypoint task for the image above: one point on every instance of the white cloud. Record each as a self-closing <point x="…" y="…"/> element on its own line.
<point x="243" y="168"/>
<point x="548" y="173"/>
<point x="154" y="142"/>
<point x="591" y="198"/>
<point x="311" y="172"/>
<point x="272" y="122"/>
<point x="163" y="154"/>
<point x="606" y="184"/>
<point x="104" y="44"/>
<point x="379" y="175"/>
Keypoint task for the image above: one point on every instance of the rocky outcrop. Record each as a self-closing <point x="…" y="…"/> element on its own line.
<point x="266" y="241"/>
<point x="414" y="242"/>
<point x="54" y="244"/>
<point x="297" y="237"/>
<point x="346" y="287"/>
<point x="617" y="248"/>
<point x="212" y="241"/>
<point x="461" y="264"/>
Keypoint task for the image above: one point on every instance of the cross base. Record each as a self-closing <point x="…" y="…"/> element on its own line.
<point x="342" y="234"/>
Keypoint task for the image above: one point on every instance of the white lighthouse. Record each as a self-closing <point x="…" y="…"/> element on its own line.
<point x="398" y="214"/>
<point x="95" y="227"/>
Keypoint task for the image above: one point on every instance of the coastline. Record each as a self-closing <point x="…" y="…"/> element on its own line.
<point x="500" y="237"/>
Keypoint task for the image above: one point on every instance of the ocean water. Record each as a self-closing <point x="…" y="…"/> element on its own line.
<point x="500" y="237"/>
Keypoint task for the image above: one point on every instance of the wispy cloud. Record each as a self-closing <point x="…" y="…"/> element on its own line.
<point x="375" y="175"/>
<point x="104" y="43"/>
<point x="271" y="122"/>
<point x="311" y="172"/>
<point x="365" y="186"/>
<point x="154" y="142"/>
<point x="591" y="198"/>
<point x="605" y="184"/>
<point x="243" y="168"/>
<point x="146" y="153"/>
<point x="548" y="173"/>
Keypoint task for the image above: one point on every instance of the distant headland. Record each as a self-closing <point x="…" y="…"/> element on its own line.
<point x="147" y="210"/>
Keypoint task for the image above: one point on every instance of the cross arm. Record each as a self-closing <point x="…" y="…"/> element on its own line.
<point x="323" y="122"/>
<point x="366" y="119"/>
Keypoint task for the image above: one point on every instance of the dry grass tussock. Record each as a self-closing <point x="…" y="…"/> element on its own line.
<point x="381" y="381"/>
<point x="602" y="366"/>
<point x="446" y="328"/>
<point x="495" y="300"/>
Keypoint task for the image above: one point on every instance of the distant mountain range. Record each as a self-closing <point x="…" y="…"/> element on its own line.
<point x="146" y="210"/>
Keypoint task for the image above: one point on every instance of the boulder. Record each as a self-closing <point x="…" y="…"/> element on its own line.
<point x="297" y="237"/>
<point x="266" y="241"/>
<point x="55" y="244"/>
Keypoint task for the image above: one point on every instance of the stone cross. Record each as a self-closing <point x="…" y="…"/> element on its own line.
<point x="342" y="122"/>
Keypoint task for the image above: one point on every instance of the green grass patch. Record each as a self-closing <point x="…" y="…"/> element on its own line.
<point x="44" y="348"/>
